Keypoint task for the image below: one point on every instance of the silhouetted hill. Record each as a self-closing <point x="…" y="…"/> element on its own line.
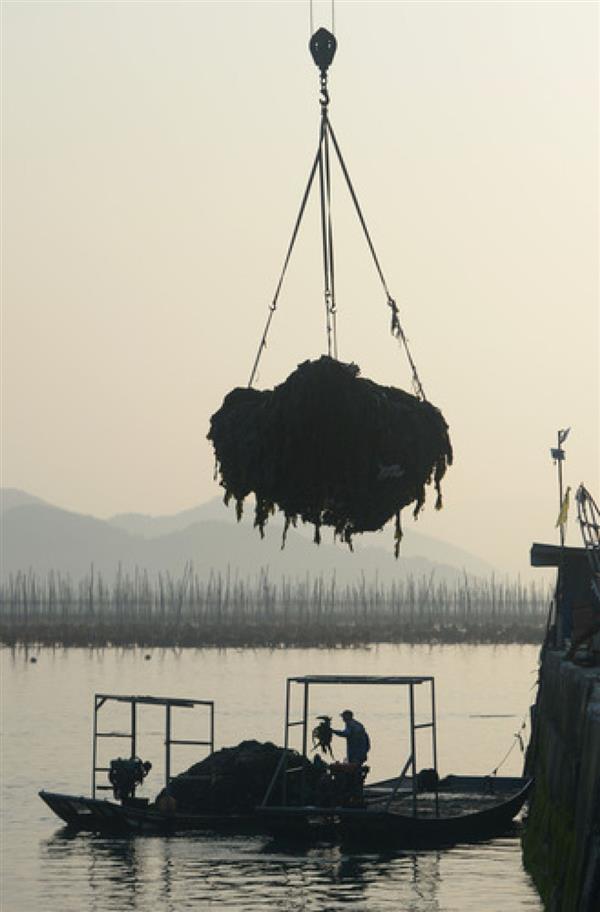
<point x="414" y="544"/>
<point x="44" y="538"/>
<point x="40" y="537"/>
<point x="13" y="497"/>
<point x="155" y="526"/>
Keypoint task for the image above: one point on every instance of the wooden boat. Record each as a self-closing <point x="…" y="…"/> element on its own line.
<point x="465" y="809"/>
<point x="411" y="810"/>
<point x="397" y="811"/>
<point x="129" y="814"/>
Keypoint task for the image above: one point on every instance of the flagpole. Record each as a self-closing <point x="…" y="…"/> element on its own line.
<point x="560" y="461"/>
<point x="558" y="455"/>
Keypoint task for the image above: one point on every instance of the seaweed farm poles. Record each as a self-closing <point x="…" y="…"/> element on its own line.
<point x="227" y="610"/>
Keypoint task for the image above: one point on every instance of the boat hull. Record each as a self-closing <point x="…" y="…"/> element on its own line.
<point x="371" y="826"/>
<point x="101" y="816"/>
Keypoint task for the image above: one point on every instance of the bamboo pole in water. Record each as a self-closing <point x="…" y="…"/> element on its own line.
<point x="218" y="610"/>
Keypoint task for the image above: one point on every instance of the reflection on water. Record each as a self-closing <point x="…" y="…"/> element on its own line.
<point x="253" y="873"/>
<point x="47" y="717"/>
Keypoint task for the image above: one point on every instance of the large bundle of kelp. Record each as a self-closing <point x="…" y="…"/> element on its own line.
<point x="234" y="780"/>
<point x="330" y="448"/>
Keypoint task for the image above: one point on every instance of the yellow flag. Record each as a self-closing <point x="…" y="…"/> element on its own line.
<point x="564" y="510"/>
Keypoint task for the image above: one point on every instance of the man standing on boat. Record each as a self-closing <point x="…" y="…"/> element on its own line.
<point x="358" y="742"/>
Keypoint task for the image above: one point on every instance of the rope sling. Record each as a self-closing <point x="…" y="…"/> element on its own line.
<point x="322" y="47"/>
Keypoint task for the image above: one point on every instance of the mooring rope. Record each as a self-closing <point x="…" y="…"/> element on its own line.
<point x="518" y="739"/>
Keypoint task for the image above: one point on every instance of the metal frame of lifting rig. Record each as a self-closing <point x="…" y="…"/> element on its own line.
<point x="589" y="521"/>
<point x="410" y="766"/>
<point x="134" y="701"/>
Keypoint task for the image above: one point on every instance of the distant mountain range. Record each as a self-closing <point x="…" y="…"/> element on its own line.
<point x="40" y="537"/>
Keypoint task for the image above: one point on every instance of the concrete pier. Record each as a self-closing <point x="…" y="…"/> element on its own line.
<point x="561" y="842"/>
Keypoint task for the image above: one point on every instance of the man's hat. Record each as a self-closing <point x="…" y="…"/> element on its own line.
<point x="347" y="714"/>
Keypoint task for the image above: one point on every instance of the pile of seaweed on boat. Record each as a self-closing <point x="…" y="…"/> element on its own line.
<point x="234" y="780"/>
<point x="331" y="448"/>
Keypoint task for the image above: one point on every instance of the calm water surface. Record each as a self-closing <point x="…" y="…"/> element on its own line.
<point x="483" y="693"/>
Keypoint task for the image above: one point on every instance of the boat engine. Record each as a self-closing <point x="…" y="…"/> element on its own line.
<point x="125" y="774"/>
<point x="341" y="784"/>
<point x="427" y="780"/>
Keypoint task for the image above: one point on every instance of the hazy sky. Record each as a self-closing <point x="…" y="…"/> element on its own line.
<point x="154" y="159"/>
